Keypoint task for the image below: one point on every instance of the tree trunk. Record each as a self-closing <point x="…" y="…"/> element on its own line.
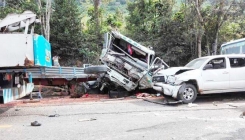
<point x="215" y="43"/>
<point x="199" y="44"/>
<point x="41" y="15"/>
<point x="45" y="18"/>
<point x="208" y="50"/>
<point x="97" y="19"/>
<point x="197" y="5"/>
<point x="48" y="13"/>
<point x="208" y="45"/>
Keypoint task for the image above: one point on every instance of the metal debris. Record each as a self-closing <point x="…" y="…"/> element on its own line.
<point x="35" y="123"/>
<point x="55" y="115"/>
<point x="163" y="103"/>
<point x="83" y="120"/>
<point x="17" y="109"/>
<point x="115" y="99"/>
<point x="232" y="105"/>
<point x="192" y="105"/>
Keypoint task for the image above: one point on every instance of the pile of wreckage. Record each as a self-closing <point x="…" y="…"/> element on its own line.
<point x="127" y="67"/>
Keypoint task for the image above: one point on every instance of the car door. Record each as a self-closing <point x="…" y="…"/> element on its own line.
<point x="146" y="80"/>
<point x="237" y="76"/>
<point x="215" y="77"/>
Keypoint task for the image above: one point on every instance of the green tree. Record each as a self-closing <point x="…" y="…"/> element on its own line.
<point x="66" y="31"/>
<point x="155" y="23"/>
<point x="115" y="20"/>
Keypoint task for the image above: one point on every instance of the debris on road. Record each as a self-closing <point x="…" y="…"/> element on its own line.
<point x="17" y="109"/>
<point x="133" y="96"/>
<point x="85" y="95"/>
<point x="143" y="95"/>
<point x="158" y="94"/>
<point x="55" y="115"/>
<point x="75" y="95"/>
<point x="115" y="99"/>
<point x="35" y="123"/>
<point x="31" y="101"/>
<point x="83" y="120"/>
<point x="243" y="114"/>
<point x="192" y="105"/>
<point x="163" y="103"/>
<point x="215" y="104"/>
<point x="232" y="105"/>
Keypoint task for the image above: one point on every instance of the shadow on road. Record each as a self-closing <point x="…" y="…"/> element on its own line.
<point x="221" y="97"/>
<point x="3" y="109"/>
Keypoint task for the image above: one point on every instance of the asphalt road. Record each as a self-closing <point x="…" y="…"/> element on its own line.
<point x="214" y="118"/>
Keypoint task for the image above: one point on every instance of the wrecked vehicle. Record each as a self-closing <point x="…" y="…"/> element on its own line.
<point x="127" y="64"/>
<point x="205" y="75"/>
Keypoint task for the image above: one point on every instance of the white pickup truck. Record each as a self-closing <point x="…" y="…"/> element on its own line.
<point x="205" y="75"/>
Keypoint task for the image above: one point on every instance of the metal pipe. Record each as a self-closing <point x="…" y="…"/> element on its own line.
<point x="27" y="25"/>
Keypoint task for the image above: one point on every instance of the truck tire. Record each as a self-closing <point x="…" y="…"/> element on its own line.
<point x="117" y="94"/>
<point x="188" y="95"/>
<point x="95" y="69"/>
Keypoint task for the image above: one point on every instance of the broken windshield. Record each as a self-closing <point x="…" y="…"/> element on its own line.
<point x="196" y="63"/>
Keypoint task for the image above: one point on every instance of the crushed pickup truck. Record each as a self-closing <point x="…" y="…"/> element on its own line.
<point x="126" y="64"/>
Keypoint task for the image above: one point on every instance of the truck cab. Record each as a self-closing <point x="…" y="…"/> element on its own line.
<point x="130" y="65"/>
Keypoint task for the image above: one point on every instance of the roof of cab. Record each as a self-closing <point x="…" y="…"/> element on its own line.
<point x="136" y="44"/>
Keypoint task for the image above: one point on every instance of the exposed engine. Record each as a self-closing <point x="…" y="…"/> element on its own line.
<point x="123" y="67"/>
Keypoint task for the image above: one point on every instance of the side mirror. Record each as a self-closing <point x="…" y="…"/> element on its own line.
<point x="208" y="66"/>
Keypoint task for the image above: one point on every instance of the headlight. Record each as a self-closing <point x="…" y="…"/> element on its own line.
<point x="158" y="79"/>
<point x="171" y="79"/>
<point x="174" y="80"/>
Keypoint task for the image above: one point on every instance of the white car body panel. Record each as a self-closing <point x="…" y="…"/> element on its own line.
<point x="217" y="79"/>
<point x="172" y="70"/>
<point x="237" y="82"/>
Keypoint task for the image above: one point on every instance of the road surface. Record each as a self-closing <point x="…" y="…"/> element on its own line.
<point x="214" y="118"/>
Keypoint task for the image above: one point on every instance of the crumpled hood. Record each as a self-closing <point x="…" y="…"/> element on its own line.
<point x="173" y="71"/>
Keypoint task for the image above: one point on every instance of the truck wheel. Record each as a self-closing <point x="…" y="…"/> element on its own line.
<point x="95" y="69"/>
<point x="188" y="95"/>
<point x="117" y="94"/>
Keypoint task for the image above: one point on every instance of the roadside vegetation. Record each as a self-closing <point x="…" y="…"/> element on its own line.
<point x="178" y="30"/>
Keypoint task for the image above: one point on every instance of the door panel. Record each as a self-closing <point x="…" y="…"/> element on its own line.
<point x="216" y="77"/>
<point x="237" y="75"/>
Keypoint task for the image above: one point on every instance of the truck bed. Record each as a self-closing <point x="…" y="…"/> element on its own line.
<point x="49" y="72"/>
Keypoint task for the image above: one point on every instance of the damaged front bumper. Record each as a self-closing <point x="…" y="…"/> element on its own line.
<point x="167" y="89"/>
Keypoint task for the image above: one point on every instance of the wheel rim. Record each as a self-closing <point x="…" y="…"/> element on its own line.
<point x="188" y="93"/>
